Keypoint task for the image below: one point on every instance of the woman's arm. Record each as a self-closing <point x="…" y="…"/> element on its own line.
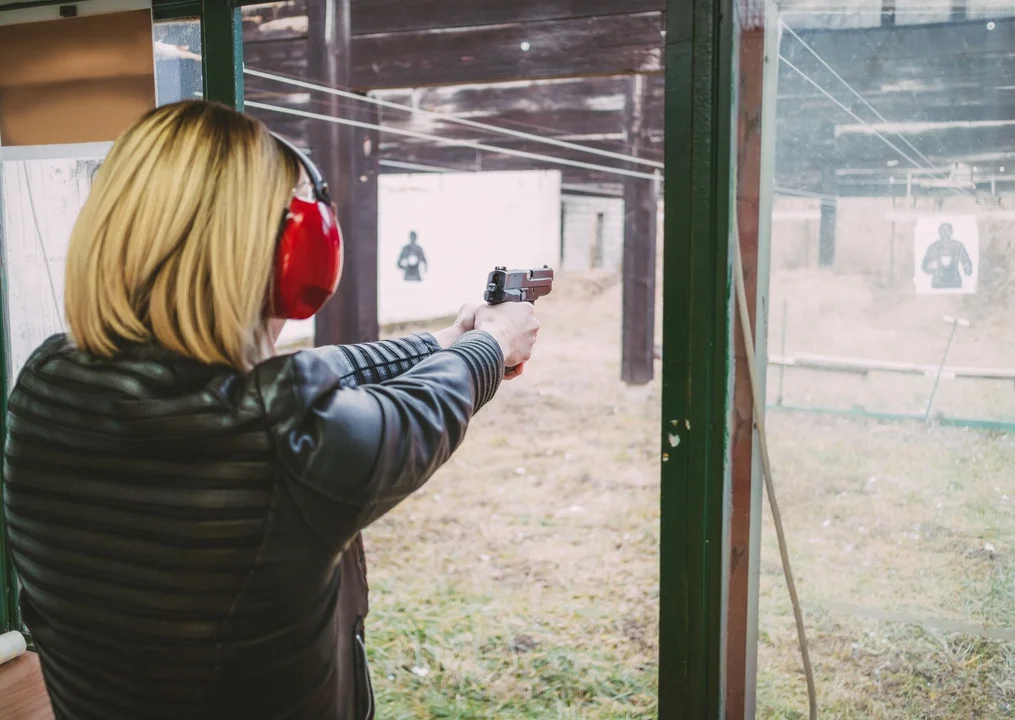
<point x="374" y="362"/>
<point x="353" y="453"/>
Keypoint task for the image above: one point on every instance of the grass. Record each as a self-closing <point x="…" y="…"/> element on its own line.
<point x="905" y="519"/>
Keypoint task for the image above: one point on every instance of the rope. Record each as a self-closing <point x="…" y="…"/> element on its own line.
<point x="766" y="465"/>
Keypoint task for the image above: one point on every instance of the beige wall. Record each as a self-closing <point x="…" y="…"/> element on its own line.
<point x="874" y="236"/>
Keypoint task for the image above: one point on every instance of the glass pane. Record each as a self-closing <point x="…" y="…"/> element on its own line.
<point x="891" y="379"/>
<point x="522" y="580"/>
<point x="41" y="200"/>
<point x="177" y="60"/>
<point x="42" y="190"/>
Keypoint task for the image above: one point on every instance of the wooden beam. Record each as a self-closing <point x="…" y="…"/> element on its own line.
<point x="748" y="199"/>
<point x="610" y="45"/>
<point x="358" y="291"/>
<point x="372" y="17"/>
<point x="465" y="159"/>
<point x="327" y="61"/>
<point x="375" y="17"/>
<point x="607" y="45"/>
<point x="639" y="258"/>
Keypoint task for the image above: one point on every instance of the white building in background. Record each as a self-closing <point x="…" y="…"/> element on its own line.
<point x="592" y="233"/>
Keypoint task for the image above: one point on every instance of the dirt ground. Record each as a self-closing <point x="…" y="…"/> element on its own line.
<point x="522" y="582"/>
<point x="902" y="535"/>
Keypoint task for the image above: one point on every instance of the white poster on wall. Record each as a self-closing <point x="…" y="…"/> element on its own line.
<point x="440" y="235"/>
<point x="946" y="251"/>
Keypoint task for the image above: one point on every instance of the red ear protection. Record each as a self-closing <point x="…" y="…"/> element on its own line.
<point x="308" y="253"/>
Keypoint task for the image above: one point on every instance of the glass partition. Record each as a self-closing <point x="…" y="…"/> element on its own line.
<point x="42" y="190"/>
<point x="888" y="155"/>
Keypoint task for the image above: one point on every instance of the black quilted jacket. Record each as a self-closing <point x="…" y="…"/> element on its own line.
<point x="178" y="528"/>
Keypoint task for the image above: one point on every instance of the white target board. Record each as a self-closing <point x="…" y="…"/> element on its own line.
<point x="946" y="253"/>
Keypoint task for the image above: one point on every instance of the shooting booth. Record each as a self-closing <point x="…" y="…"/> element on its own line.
<point x="833" y="168"/>
<point x="73" y="75"/>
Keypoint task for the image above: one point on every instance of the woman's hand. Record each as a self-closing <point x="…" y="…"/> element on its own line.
<point x="514" y="327"/>
<point x="465" y="322"/>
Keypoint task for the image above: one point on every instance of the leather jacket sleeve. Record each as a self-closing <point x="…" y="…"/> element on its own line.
<point x="382" y="360"/>
<point x="352" y="450"/>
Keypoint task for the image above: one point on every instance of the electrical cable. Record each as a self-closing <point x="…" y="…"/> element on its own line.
<point x="456" y="143"/>
<point x="453" y="119"/>
<point x="766" y="466"/>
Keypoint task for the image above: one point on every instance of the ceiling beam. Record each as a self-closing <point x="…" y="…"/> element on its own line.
<point x="374" y="17"/>
<point x="576" y="47"/>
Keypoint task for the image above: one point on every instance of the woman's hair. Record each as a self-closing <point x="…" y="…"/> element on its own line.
<point x="176" y="243"/>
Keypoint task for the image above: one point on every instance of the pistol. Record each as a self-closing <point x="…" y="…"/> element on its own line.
<point x="505" y="285"/>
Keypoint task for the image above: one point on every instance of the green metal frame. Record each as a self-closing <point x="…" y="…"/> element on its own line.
<point x="222" y="52"/>
<point x="8" y="579"/>
<point x="696" y="343"/>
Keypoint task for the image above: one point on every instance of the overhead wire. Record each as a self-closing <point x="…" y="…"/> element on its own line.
<point x="930" y="163"/>
<point x="447" y="117"/>
<point x="853" y="90"/>
<point x="417" y="167"/>
<point x="456" y="142"/>
<point x="849" y="112"/>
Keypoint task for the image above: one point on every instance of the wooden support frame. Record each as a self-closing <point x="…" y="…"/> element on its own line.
<point x="348" y="158"/>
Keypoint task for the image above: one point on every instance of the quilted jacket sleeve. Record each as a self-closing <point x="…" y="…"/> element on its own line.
<point x="375" y="362"/>
<point x="353" y="450"/>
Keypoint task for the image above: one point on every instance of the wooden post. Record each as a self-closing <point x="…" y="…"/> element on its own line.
<point x="358" y="291"/>
<point x="339" y="150"/>
<point x="639" y="262"/>
<point x="826" y="239"/>
<point x="348" y="158"/>
<point x="748" y="198"/>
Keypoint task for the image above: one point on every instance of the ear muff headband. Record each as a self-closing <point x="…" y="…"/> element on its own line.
<point x="308" y="254"/>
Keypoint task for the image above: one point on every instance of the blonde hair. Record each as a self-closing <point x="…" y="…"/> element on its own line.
<point x="176" y="242"/>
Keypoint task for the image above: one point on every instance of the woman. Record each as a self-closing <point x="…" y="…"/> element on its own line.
<point x="177" y="499"/>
